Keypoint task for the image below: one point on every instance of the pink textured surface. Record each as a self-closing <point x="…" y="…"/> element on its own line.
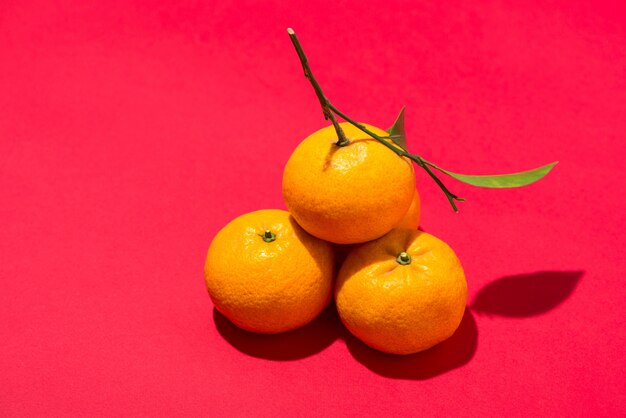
<point x="132" y="131"/>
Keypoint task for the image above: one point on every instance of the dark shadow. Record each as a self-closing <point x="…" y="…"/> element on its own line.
<point x="525" y="295"/>
<point x="451" y="354"/>
<point x="293" y="345"/>
<point x="520" y="295"/>
<point x="341" y="252"/>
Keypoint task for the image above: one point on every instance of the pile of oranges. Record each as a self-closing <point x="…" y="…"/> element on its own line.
<point x="351" y="232"/>
<point x="350" y="235"/>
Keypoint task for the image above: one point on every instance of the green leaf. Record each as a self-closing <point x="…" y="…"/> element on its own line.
<point x="502" y="181"/>
<point x="396" y="132"/>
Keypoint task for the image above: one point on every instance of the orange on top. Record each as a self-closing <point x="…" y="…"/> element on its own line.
<point x="402" y="293"/>
<point x="268" y="275"/>
<point x="348" y="194"/>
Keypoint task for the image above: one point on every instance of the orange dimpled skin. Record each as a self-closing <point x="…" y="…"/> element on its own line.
<point x="402" y="308"/>
<point x="266" y="274"/>
<point x="348" y="194"/>
<point x="412" y="216"/>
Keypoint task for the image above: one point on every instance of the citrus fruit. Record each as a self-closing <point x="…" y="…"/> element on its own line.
<point x="411" y="218"/>
<point x="347" y="194"/>
<point x="266" y="274"/>
<point x="402" y="293"/>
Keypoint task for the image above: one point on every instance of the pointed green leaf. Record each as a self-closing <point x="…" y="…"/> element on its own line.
<point x="502" y="181"/>
<point x="396" y="132"/>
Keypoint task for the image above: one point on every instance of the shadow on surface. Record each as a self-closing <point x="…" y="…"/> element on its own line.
<point x="454" y="352"/>
<point x="525" y="295"/>
<point x="293" y="345"/>
<point x="522" y="295"/>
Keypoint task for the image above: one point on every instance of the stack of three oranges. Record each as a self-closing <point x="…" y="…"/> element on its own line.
<point x="399" y="290"/>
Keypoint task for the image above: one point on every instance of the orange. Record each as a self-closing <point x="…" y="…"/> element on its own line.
<point x="268" y="275"/>
<point x="402" y="293"/>
<point x="411" y="218"/>
<point x="348" y="194"/>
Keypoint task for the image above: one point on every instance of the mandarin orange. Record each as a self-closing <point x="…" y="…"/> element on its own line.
<point x="266" y="274"/>
<point x="347" y="194"/>
<point x="402" y="293"/>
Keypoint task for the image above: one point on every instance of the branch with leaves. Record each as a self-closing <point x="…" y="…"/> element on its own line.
<point x="396" y="142"/>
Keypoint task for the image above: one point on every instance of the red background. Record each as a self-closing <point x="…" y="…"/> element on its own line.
<point x="131" y="132"/>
